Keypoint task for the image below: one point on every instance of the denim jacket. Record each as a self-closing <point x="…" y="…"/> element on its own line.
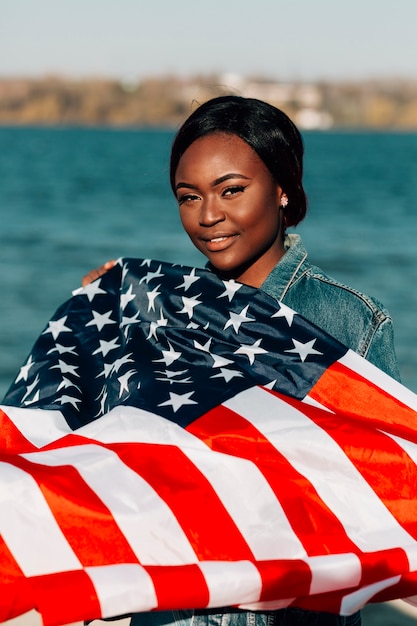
<point x="358" y="321"/>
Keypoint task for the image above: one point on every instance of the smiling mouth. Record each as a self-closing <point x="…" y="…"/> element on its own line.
<point x="219" y="243"/>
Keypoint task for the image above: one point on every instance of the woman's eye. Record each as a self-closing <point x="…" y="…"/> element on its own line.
<point x="231" y="191"/>
<point x="187" y="197"/>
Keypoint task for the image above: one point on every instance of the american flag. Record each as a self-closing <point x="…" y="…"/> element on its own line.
<point x="178" y="441"/>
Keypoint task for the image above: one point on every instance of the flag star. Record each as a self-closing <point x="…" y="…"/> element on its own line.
<point x="29" y="390"/>
<point x="63" y="349"/>
<point x="189" y="279"/>
<point x="231" y="288"/>
<point x="155" y="325"/>
<point x="205" y="347"/>
<point x="65" y="368"/>
<point x="32" y="400"/>
<point x="304" y="349"/>
<point x="56" y="327"/>
<point x="130" y="320"/>
<point x="127" y="297"/>
<point x="107" y="346"/>
<point x="151" y="275"/>
<point x="177" y="400"/>
<point x="227" y="374"/>
<point x="219" y="361"/>
<point x="24" y="370"/>
<point x="286" y="312"/>
<point x="91" y="290"/>
<point x="152" y="295"/>
<point x="189" y="304"/>
<point x="108" y="368"/>
<point x="65" y="383"/>
<point x="69" y="400"/>
<point x="251" y="350"/>
<point x="236" y="319"/>
<point x="124" y="380"/>
<point x="169" y="356"/>
<point x="100" y="319"/>
<point x="146" y="263"/>
<point x="119" y="362"/>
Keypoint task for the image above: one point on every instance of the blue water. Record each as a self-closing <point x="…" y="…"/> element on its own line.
<point x="72" y="198"/>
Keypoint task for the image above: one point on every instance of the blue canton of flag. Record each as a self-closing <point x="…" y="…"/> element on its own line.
<point x="147" y="334"/>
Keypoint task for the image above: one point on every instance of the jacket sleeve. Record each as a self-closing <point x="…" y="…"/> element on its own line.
<point x="381" y="351"/>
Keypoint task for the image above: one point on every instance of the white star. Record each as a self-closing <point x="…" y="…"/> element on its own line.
<point x="204" y="347"/>
<point x="227" y="374"/>
<point x="126" y="297"/>
<point x="56" y="327"/>
<point x="146" y="263"/>
<point x="177" y="400"/>
<point x="123" y="381"/>
<point x="251" y="350"/>
<point x="153" y="327"/>
<point x="169" y="377"/>
<point x="286" y="312"/>
<point x="65" y="368"/>
<point x="152" y="295"/>
<point x="169" y="356"/>
<point x="24" y="370"/>
<point x="236" y="319"/>
<point x="189" y="279"/>
<point x="100" y="319"/>
<point x="304" y="349"/>
<point x="151" y="275"/>
<point x="189" y="304"/>
<point x="107" y="346"/>
<point x="65" y="383"/>
<point x="29" y="390"/>
<point x="119" y="362"/>
<point x="91" y="290"/>
<point x="231" y="288"/>
<point x="62" y="349"/>
<point x="219" y="361"/>
<point x="107" y="370"/>
<point x="34" y="399"/>
<point x="69" y="400"/>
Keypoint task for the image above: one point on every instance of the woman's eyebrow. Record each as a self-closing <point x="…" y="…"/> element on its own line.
<point x="215" y="182"/>
<point x="221" y="179"/>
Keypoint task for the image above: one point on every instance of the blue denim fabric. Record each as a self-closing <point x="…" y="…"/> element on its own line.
<point x="358" y="321"/>
<point x="283" y="617"/>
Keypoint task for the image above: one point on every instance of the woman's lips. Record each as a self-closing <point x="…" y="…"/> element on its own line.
<point x="219" y="242"/>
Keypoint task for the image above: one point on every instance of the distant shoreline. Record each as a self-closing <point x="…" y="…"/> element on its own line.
<point x="389" y="104"/>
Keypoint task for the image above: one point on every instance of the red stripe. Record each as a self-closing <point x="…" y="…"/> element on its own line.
<point x="68" y="596"/>
<point x="11" y="439"/>
<point x="198" y="509"/>
<point x="16" y="595"/>
<point x="343" y="390"/>
<point x="311" y="519"/>
<point x="86" y="522"/>
<point x="291" y="578"/>
<point x="173" y="585"/>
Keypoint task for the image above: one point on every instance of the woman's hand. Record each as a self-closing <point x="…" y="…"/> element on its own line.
<point x="94" y="274"/>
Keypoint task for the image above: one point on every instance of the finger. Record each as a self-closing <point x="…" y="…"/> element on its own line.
<point x="96" y="273"/>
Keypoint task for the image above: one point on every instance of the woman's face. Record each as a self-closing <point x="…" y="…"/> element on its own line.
<point x="230" y="207"/>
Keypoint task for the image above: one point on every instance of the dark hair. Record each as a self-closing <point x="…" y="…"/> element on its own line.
<point x="266" y="129"/>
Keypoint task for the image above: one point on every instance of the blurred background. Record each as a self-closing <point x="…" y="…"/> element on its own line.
<point x="92" y="91"/>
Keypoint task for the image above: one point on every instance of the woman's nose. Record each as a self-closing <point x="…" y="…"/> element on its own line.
<point x="211" y="212"/>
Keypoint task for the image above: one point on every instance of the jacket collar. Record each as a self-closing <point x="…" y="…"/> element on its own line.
<point x="288" y="269"/>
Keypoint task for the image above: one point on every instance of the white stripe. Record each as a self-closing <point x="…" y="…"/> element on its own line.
<point x="40" y="427"/>
<point x="28" y="526"/>
<point x="353" y="602"/>
<point x="316" y="456"/>
<point x="122" y="589"/>
<point x="153" y="536"/>
<point x="231" y="583"/>
<point x="332" y="572"/>
<point x="256" y="511"/>
<point x="379" y="378"/>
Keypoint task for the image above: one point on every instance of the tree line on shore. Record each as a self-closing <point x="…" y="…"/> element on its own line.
<point x="166" y="101"/>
